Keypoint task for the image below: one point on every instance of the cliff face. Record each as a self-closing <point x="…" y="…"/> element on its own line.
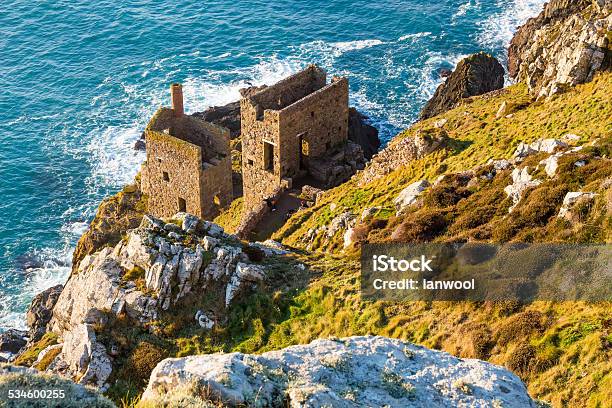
<point x="115" y="215"/>
<point x="563" y="46"/>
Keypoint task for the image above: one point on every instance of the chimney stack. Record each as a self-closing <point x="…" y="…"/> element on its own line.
<point x="176" y="94"/>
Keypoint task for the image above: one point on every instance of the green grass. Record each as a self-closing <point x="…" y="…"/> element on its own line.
<point x="28" y="357"/>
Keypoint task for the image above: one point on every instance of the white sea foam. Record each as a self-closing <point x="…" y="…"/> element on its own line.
<point x="52" y="268"/>
<point x="414" y="36"/>
<point x="497" y="30"/>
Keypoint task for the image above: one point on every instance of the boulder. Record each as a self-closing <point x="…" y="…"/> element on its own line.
<point x="521" y="182"/>
<point x="204" y="321"/>
<point x="475" y="75"/>
<point x="12" y="340"/>
<point x="83" y="358"/>
<point x="244" y="275"/>
<point x="40" y="312"/>
<point x="363" y="134"/>
<point x="571" y="199"/>
<point x="363" y="371"/>
<point x="409" y="195"/>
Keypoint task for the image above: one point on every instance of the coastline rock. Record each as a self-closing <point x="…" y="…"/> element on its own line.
<point x="114" y="216"/>
<point x="12" y="340"/>
<point x="563" y="46"/>
<point x="363" y="134"/>
<point x="350" y="372"/>
<point x="40" y="312"/>
<point x="475" y="75"/>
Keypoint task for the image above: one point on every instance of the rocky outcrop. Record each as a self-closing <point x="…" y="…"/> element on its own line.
<point x="563" y="46"/>
<point x="401" y="151"/>
<point x="573" y="199"/>
<point x="148" y="272"/>
<point x="115" y="215"/>
<point x="40" y="312"/>
<point x="363" y="134"/>
<point x="12" y="340"/>
<point x="409" y="195"/>
<point x="475" y="75"/>
<point x="521" y="182"/>
<point x="352" y="372"/>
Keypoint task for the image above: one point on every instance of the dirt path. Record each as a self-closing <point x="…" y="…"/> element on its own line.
<point x="287" y="202"/>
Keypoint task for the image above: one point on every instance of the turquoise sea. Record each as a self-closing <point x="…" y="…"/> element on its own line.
<point x="79" y="80"/>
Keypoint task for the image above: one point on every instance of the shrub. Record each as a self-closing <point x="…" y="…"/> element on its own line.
<point x="520" y="325"/>
<point x="143" y="360"/>
<point x="421" y="226"/>
<point x="521" y="359"/>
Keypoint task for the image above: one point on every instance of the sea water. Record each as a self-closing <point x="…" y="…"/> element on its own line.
<point x="80" y="79"/>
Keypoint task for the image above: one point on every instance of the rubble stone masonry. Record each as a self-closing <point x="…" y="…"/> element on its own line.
<point x="286" y="125"/>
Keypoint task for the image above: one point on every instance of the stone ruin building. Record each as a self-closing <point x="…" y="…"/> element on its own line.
<point x="294" y="133"/>
<point x="296" y="129"/>
<point x="188" y="164"/>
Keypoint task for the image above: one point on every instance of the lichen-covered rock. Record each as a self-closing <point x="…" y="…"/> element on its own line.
<point x="83" y="358"/>
<point x="475" y="75"/>
<point x="571" y="199"/>
<point x="521" y="182"/>
<point x="353" y="372"/>
<point x="564" y="46"/>
<point x="409" y="195"/>
<point x="243" y="275"/>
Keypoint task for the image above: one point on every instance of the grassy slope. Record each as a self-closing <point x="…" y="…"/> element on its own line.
<point x="476" y="136"/>
<point x="562" y="350"/>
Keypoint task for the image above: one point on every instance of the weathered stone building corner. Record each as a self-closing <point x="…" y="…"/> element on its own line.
<point x="188" y="165"/>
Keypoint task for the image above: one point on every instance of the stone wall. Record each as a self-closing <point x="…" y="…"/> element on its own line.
<point x="187" y="159"/>
<point x="216" y="188"/>
<point x="172" y="171"/>
<point x="322" y="120"/>
<point x="290" y="89"/>
<point x="258" y="183"/>
<point x="299" y="118"/>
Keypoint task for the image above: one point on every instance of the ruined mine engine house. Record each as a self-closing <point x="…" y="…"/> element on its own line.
<point x="293" y="131"/>
<point x="288" y="126"/>
<point x="188" y="166"/>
